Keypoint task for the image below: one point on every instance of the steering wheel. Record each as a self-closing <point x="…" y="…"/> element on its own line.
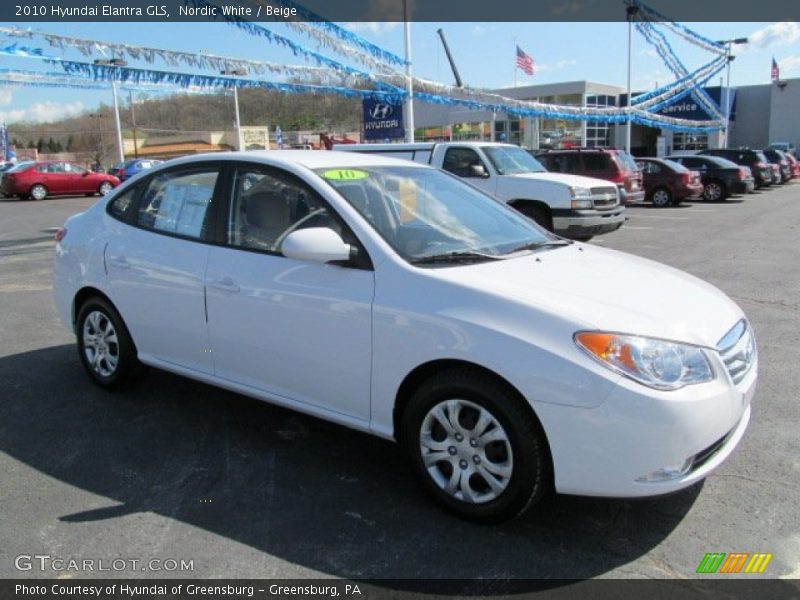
<point x="295" y="226"/>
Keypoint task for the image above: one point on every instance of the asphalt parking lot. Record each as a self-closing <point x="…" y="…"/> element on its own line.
<point x="179" y="470"/>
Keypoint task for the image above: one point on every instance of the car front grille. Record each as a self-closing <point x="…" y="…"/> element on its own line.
<point x="738" y="350"/>
<point x="604" y="197"/>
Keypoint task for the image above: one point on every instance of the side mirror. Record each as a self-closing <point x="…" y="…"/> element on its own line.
<point x="315" y="244"/>
<point x="478" y="171"/>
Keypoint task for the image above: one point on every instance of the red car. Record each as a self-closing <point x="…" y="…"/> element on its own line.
<point x="52" y="178"/>
<point x="667" y="182"/>
<point x="602" y="163"/>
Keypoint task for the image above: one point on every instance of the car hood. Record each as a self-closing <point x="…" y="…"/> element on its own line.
<point x="604" y="289"/>
<point x="566" y="179"/>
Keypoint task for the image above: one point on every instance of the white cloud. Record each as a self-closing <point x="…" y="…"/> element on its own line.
<point x="6" y="97"/>
<point x="481" y="30"/>
<point x="42" y="112"/>
<point x="777" y="34"/>
<point x="376" y="28"/>
<point x="790" y="64"/>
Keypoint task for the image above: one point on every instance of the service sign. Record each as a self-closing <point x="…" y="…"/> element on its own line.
<point x="382" y="120"/>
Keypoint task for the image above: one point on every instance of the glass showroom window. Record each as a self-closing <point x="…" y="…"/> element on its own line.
<point x="689" y="141"/>
<point x="598" y="134"/>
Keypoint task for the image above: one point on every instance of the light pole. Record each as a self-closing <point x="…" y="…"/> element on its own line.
<point x="409" y="84"/>
<point x="115" y="62"/>
<point x="729" y="57"/>
<point x="238" y="73"/>
<point x="133" y="126"/>
<point x="631" y="12"/>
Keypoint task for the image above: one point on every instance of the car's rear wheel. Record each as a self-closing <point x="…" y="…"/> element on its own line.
<point x="105" y="187"/>
<point x="105" y="347"/>
<point x="714" y="191"/>
<point x="476" y="448"/>
<point x="661" y="197"/>
<point x="38" y="192"/>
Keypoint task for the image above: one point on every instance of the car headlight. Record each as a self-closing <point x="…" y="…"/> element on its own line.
<point x="581" y="198"/>
<point x="655" y="363"/>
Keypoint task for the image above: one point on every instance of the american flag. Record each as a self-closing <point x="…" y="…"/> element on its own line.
<point x="524" y="62"/>
<point x="776" y="72"/>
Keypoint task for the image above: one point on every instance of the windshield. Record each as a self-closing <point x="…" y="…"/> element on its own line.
<point x="20" y="167"/>
<point x="424" y="213"/>
<point x="512" y="160"/>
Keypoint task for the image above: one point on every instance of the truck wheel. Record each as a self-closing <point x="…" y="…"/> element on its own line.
<point x="539" y="214"/>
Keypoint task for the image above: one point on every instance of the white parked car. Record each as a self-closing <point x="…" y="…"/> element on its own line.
<point x="393" y="298"/>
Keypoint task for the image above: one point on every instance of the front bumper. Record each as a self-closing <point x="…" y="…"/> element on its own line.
<point x="636" y="431"/>
<point x="633" y="197"/>
<point x="582" y="223"/>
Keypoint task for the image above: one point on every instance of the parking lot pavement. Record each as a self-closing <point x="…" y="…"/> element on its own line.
<point x="179" y="470"/>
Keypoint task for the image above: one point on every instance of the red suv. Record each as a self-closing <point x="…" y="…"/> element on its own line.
<point x="603" y="163"/>
<point x="667" y="182"/>
<point x="51" y="178"/>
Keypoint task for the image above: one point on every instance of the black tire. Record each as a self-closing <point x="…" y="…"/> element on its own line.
<point x="582" y="238"/>
<point x="715" y="191"/>
<point x="539" y="214"/>
<point x="530" y="476"/>
<point x="38" y="190"/>
<point x="128" y="367"/>
<point x="661" y="197"/>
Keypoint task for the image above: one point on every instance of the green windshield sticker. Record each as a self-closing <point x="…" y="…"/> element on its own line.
<point x="345" y="174"/>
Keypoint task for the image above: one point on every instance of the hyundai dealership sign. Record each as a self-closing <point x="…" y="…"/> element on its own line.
<point x="382" y="120"/>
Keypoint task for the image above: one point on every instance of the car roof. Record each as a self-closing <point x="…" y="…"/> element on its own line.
<point x="311" y="159"/>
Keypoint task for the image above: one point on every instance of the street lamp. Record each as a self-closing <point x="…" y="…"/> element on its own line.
<point x="729" y="57"/>
<point x="115" y="62"/>
<point x="236" y="73"/>
<point x="631" y="11"/>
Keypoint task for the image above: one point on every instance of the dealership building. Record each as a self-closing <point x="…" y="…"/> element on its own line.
<point x="760" y="114"/>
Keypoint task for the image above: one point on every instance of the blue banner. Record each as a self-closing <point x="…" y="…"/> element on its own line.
<point x="383" y="120"/>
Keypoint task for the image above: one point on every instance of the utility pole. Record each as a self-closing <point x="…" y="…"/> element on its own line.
<point x="115" y="62"/>
<point x="237" y="121"/>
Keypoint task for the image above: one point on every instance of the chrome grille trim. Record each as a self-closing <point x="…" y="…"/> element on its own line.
<point x="605" y="196"/>
<point x="737" y="348"/>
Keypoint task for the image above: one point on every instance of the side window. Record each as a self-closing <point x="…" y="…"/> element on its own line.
<point x="459" y="161"/>
<point x="268" y="205"/>
<point x="178" y="201"/>
<point x="595" y="162"/>
<point x="119" y="206"/>
<point x="75" y="169"/>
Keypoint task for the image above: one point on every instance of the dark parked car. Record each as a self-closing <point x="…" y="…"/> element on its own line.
<point x="720" y="177"/>
<point x="755" y="159"/>
<point x="603" y="163"/>
<point x="129" y="168"/>
<point x="667" y="182"/>
<point x="52" y="178"/>
<point x="776" y="157"/>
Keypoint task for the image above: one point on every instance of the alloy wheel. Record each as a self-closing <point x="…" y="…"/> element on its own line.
<point x="38" y="192"/>
<point x="661" y="197"/>
<point x="100" y="343"/>
<point x="713" y="192"/>
<point x="105" y="187"/>
<point x="466" y="451"/>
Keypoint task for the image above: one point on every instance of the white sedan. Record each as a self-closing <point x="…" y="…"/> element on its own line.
<point x="393" y="298"/>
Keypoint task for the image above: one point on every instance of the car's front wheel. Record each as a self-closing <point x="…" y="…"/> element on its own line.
<point x="106" y="349"/>
<point x="105" y="187"/>
<point x="38" y="192"/>
<point x="476" y="447"/>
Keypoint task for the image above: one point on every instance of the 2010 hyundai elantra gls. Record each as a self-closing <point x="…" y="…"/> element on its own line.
<point x="393" y="298"/>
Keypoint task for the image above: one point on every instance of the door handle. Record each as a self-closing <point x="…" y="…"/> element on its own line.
<point x="225" y="285"/>
<point x="119" y="261"/>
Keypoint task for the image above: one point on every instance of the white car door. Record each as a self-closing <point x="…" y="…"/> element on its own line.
<point x="157" y="266"/>
<point x="461" y="160"/>
<point x="294" y="329"/>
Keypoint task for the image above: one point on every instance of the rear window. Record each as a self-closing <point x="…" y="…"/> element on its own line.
<point x="596" y="162"/>
<point x="760" y="156"/>
<point x="626" y="160"/>
<point x="677" y="167"/>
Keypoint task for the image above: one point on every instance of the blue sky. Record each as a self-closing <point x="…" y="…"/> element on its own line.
<point x="484" y="53"/>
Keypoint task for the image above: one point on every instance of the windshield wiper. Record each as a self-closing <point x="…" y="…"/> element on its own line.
<point x="453" y="257"/>
<point x="537" y="245"/>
